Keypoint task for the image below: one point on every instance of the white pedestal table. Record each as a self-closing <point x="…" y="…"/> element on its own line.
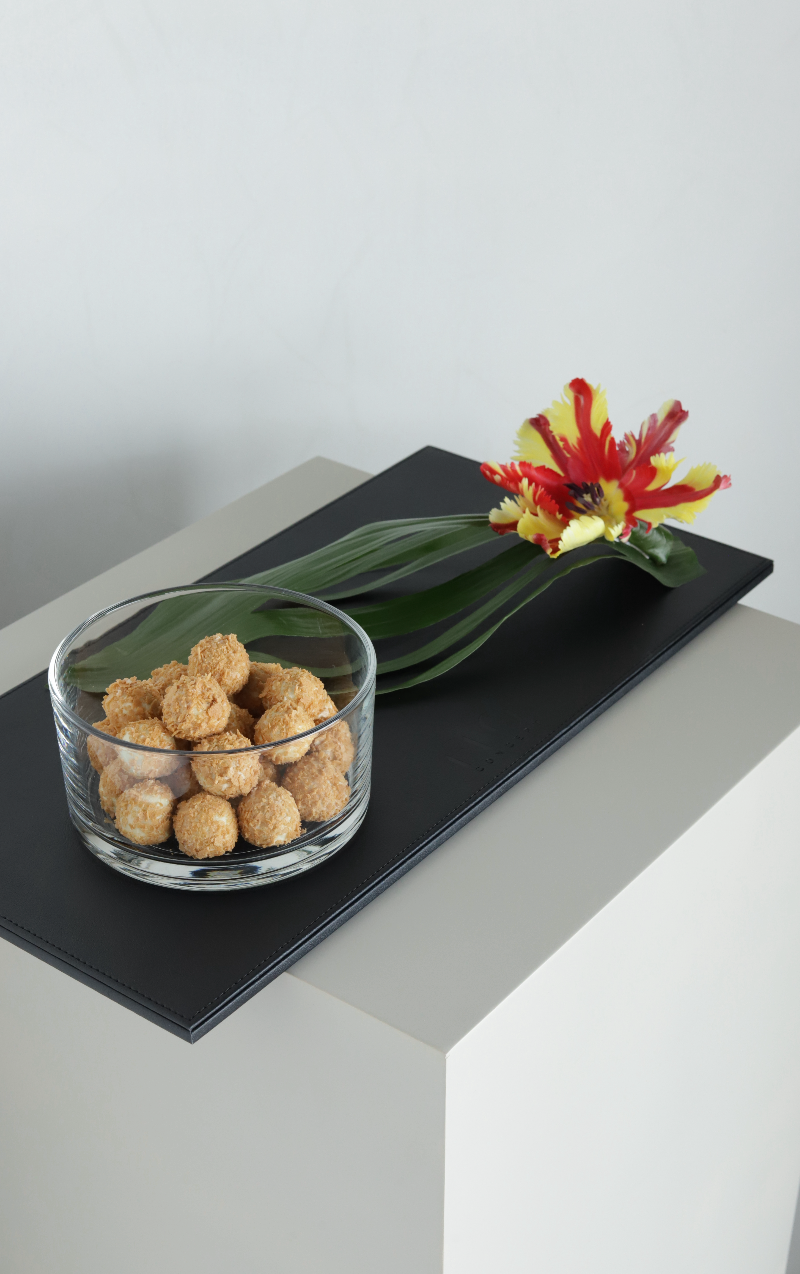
<point x="568" y="1042"/>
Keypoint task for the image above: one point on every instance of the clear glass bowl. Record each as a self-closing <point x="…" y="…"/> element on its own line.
<point x="135" y="636"/>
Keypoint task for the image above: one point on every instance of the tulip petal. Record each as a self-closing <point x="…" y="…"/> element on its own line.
<point x="686" y="499"/>
<point x="506" y="517"/>
<point x="580" y="531"/>
<point x="656" y="435"/>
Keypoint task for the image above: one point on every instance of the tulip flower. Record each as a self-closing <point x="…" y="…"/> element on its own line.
<point x="573" y="482"/>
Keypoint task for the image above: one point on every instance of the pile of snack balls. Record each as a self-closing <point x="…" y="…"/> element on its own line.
<point x="221" y="701"/>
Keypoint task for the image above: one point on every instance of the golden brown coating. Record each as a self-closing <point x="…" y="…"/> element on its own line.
<point x="241" y="720"/>
<point x="226" y="775"/>
<point x="295" y="688"/>
<point x="327" y="711"/>
<point x="335" y="745"/>
<point x="195" y="707"/>
<point x="183" y="782"/>
<point x="114" y="780"/>
<point x="281" y="723"/>
<point x="164" y="676"/>
<point x="149" y="734"/>
<point x="268" y="816"/>
<point x="205" y="826"/>
<point x="222" y="657"/>
<point x="100" y="753"/>
<point x="144" y="812"/>
<point x="320" y="789"/>
<point x="130" y="699"/>
<point x="342" y="690"/>
<point x="269" y="769"/>
<point x="250" y="696"/>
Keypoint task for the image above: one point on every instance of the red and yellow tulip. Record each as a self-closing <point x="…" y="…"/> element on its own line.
<point x="572" y="482"/>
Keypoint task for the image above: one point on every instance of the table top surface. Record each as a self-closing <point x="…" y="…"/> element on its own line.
<point x="448" y="942"/>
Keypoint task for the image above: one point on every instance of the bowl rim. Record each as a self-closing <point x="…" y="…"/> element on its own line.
<point x="230" y="586"/>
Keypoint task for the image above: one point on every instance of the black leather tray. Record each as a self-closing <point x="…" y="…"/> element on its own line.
<point x="442" y="753"/>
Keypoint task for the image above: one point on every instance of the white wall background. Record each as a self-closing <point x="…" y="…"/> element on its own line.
<point x="236" y="233"/>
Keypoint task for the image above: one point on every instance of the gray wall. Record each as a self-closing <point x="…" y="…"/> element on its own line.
<point x="237" y="234"/>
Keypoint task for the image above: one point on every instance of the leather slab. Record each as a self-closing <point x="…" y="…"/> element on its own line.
<point x="442" y="752"/>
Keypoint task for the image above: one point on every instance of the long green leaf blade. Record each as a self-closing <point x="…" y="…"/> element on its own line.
<point x="399" y="615"/>
<point x="176" y="624"/>
<point x="419" y="610"/>
<point x="464" y="652"/>
<point x="371" y="548"/>
<point x="428" y="554"/>
<point x="455" y="632"/>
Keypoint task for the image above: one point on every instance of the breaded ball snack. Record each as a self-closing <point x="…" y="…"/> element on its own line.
<point x="195" y="707"/>
<point x="130" y="699"/>
<point x="205" y="826"/>
<point x="336" y="746"/>
<point x="320" y="789"/>
<point x="144" y="813"/>
<point x="114" y="780"/>
<point x="268" y="816"/>
<point x="226" y="776"/>
<point x="149" y="734"/>
<point x="183" y="782"/>
<point x="328" y="710"/>
<point x="99" y="753"/>
<point x="295" y="688"/>
<point x="164" y="676"/>
<point x="222" y="657"/>
<point x="241" y="720"/>
<point x="250" y="696"/>
<point x="282" y="722"/>
<point x="269" y="769"/>
<point x="342" y="690"/>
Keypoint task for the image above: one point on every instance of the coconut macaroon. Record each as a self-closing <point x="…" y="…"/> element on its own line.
<point x="327" y="711"/>
<point x="144" y="812"/>
<point x="242" y="720"/>
<point x="282" y="722"/>
<point x="269" y="769"/>
<point x="268" y="816"/>
<point x="226" y="775"/>
<point x="195" y="707"/>
<point x="335" y="745"/>
<point x="114" y="780"/>
<point x="320" y="789"/>
<point x="98" y="751"/>
<point x="295" y="688"/>
<point x="250" y="696"/>
<point x="222" y="657"/>
<point x="205" y="826"/>
<point x="183" y="782"/>
<point x="148" y="734"/>
<point x="164" y="676"/>
<point x="130" y="699"/>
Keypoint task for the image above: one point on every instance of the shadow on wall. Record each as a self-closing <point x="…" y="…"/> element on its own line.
<point x="64" y="529"/>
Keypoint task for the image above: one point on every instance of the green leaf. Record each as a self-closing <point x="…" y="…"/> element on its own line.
<point x="386" y="551"/>
<point x="407" y="614"/>
<point x="412" y="541"/>
<point x="455" y="632"/>
<point x="464" y="652"/>
<point x="398" y="615"/>
<point x="424" y="552"/>
<point x="666" y="558"/>
<point x="176" y="624"/>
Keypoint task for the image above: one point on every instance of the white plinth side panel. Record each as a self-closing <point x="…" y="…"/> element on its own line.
<point x="300" y="1136"/>
<point x="635" y="1105"/>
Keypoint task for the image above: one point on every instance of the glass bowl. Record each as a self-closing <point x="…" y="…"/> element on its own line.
<point x="132" y="638"/>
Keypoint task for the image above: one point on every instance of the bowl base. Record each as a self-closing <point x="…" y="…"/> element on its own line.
<point x="173" y="870"/>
